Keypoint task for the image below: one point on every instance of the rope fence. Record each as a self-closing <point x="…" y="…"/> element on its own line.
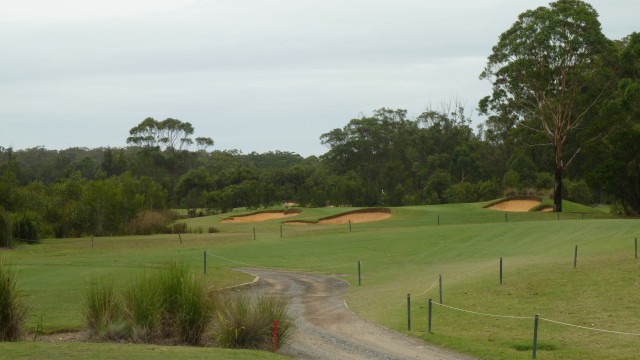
<point x="486" y="314"/>
<point x="430" y="287"/>
<point x="535" y="318"/>
<point x="590" y="328"/>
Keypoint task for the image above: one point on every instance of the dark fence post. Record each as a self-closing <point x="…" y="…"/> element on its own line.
<point x="254" y="233"/>
<point x="280" y="231"/>
<point x="575" y="258"/>
<point x="440" y="281"/>
<point x="349" y="225"/>
<point x="205" y="262"/>
<point x="506" y="219"/>
<point x="409" y="311"/>
<point x="500" y="271"/>
<point x="438" y="220"/>
<point x="430" y="307"/>
<point x="180" y="237"/>
<point x="636" y="248"/>
<point x="535" y="336"/>
<point x="359" y="277"/>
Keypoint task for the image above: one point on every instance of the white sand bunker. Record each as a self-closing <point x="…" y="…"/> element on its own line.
<point x="261" y="216"/>
<point x="516" y="204"/>
<point x="357" y="216"/>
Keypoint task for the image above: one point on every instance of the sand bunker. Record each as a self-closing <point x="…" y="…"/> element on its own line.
<point x="516" y="204"/>
<point x="261" y="216"/>
<point x="356" y="216"/>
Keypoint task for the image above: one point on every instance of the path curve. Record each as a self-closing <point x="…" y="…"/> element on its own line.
<point x="327" y="329"/>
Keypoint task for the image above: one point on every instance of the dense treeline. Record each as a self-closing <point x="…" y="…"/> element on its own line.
<point x="386" y="158"/>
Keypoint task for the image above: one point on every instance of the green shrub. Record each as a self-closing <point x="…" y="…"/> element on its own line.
<point x="544" y="181"/>
<point x="213" y="230"/>
<point x="150" y="222"/>
<point x="579" y="192"/>
<point x="13" y="308"/>
<point x="5" y="229"/>
<point x="179" y="228"/>
<point x="26" y="227"/>
<point x="243" y="323"/>
<point x="616" y="209"/>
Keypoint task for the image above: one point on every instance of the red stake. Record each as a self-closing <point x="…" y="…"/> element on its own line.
<point x="275" y="335"/>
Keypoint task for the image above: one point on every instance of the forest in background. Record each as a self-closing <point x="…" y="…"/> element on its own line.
<point x="577" y="135"/>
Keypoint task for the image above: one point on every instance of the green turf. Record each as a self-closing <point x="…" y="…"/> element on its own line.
<point x="65" y="351"/>
<point x="401" y="255"/>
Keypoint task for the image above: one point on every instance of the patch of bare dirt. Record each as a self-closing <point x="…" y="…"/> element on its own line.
<point x="327" y="329"/>
<point x="72" y="336"/>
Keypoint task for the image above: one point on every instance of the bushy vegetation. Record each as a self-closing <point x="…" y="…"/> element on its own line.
<point x="148" y="222"/>
<point x="171" y="305"/>
<point x="245" y="323"/>
<point x="5" y="229"/>
<point x="13" y="308"/>
<point x="186" y="308"/>
<point x="103" y="311"/>
<point x="143" y="309"/>
<point x="26" y="227"/>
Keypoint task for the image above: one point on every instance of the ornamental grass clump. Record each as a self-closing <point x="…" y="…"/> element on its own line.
<point x="168" y="306"/>
<point x="13" y="309"/>
<point x="142" y="308"/>
<point x="246" y="323"/>
<point x="104" y="313"/>
<point x="186" y="307"/>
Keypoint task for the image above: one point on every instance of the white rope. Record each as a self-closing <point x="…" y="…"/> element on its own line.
<point x="589" y="328"/>
<point x="485" y="314"/>
<point x="430" y="287"/>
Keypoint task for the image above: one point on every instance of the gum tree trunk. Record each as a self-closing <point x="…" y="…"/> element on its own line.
<point x="557" y="191"/>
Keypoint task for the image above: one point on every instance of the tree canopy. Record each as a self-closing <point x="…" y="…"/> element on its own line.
<point x="544" y="72"/>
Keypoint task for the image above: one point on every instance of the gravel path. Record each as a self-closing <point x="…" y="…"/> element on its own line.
<point x="327" y="329"/>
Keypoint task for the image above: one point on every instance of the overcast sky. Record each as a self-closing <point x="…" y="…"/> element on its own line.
<point x="254" y="75"/>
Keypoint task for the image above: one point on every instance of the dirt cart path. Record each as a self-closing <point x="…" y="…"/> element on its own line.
<point x="327" y="329"/>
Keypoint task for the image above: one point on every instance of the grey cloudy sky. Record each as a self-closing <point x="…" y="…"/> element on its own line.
<point x="254" y="75"/>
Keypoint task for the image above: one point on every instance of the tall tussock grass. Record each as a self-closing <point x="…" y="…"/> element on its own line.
<point x="13" y="308"/>
<point x="103" y="311"/>
<point x="247" y="323"/>
<point x="142" y="308"/>
<point x="168" y="306"/>
<point x="186" y="307"/>
<point x="173" y="306"/>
